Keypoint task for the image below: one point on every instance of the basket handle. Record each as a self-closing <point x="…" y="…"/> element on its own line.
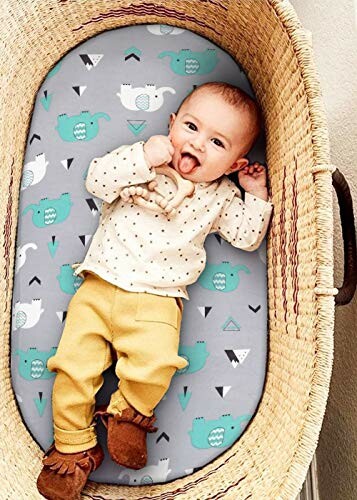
<point x="348" y="288"/>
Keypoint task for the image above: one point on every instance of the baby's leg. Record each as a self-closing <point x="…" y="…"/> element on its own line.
<point x="146" y="334"/>
<point x="83" y="354"/>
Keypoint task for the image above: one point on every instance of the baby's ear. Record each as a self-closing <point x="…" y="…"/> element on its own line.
<point x="172" y="119"/>
<point x="238" y="165"/>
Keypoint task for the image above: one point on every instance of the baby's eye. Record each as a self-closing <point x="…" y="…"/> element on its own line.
<point x="190" y="123"/>
<point x="218" y="142"/>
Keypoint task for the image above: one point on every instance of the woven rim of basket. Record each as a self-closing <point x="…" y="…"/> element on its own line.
<point x="271" y="458"/>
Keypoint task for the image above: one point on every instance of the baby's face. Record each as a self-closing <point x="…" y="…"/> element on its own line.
<point x="214" y="132"/>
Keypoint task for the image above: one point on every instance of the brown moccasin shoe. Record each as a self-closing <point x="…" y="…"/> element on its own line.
<point x="64" y="475"/>
<point x="126" y="439"/>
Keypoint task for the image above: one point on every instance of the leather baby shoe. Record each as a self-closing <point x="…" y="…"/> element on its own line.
<point x="126" y="439"/>
<point x="64" y="475"/>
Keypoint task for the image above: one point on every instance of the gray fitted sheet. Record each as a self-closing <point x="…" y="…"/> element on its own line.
<point x="224" y="331"/>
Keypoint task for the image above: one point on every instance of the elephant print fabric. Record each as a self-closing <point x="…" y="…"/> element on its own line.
<point x="118" y="88"/>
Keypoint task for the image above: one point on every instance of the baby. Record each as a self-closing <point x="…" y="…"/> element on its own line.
<point x="140" y="261"/>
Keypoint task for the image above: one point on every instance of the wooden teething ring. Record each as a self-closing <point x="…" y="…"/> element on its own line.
<point x="161" y="203"/>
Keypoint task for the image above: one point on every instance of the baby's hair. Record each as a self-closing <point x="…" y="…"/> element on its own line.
<point x="236" y="97"/>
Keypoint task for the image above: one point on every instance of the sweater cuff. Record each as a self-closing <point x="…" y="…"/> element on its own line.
<point x="144" y="170"/>
<point x="258" y="203"/>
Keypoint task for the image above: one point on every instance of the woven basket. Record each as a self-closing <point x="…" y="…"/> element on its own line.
<point x="271" y="459"/>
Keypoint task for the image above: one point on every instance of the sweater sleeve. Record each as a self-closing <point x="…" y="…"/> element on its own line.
<point x="243" y="224"/>
<point x="125" y="166"/>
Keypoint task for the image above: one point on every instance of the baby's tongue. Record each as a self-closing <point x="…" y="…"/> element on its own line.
<point x="187" y="163"/>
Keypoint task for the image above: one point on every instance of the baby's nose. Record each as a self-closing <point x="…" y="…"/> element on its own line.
<point x="198" y="143"/>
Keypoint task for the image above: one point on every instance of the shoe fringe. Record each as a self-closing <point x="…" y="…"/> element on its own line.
<point x="128" y="415"/>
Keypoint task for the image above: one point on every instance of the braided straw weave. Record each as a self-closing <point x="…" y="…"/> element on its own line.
<point x="271" y="458"/>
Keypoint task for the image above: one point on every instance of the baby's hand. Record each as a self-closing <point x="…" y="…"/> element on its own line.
<point x="158" y="150"/>
<point x="253" y="178"/>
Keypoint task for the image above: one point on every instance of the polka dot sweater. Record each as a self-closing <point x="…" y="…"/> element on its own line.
<point x="140" y="250"/>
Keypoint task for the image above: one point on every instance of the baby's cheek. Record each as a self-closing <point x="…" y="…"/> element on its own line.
<point x="174" y="141"/>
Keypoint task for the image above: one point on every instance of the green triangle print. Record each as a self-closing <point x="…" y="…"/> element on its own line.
<point x="136" y="126"/>
<point x="46" y="101"/>
<point x="52" y="246"/>
<point x="184" y="397"/>
<point x="40" y="403"/>
<point x="231" y="325"/>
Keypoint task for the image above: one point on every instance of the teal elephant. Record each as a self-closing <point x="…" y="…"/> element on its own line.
<point x="49" y="212"/>
<point x="82" y="127"/>
<point x="216" y="433"/>
<point x="187" y="62"/>
<point x="221" y="277"/>
<point x="33" y="363"/>
<point x="196" y="356"/>
<point x="68" y="281"/>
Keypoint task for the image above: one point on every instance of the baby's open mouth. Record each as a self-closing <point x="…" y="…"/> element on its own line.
<point x="188" y="162"/>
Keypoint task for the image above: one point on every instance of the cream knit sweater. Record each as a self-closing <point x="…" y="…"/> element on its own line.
<point x="140" y="250"/>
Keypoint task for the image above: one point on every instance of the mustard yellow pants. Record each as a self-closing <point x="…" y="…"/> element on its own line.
<point x="142" y="328"/>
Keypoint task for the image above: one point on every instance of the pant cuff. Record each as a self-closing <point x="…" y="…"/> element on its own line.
<point x="117" y="404"/>
<point x="136" y="402"/>
<point x="74" y="441"/>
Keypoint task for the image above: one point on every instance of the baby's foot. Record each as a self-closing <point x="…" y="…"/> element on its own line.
<point x="64" y="475"/>
<point x="126" y="438"/>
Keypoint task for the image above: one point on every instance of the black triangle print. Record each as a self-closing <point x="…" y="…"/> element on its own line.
<point x="67" y="163"/>
<point x="164" y="436"/>
<point x="35" y="136"/>
<point x="92" y="205"/>
<point x="134" y="56"/>
<point x="232" y="356"/>
<point x="87" y="60"/>
<point x="204" y="310"/>
<point x="61" y="315"/>
<point x="90" y="60"/>
<point x="254" y="309"/>
<point x="35" y="278"/>
<point x="79" y="89"/>
<point x="85" y="238"/>
<point x="223" y="390"/>
<point x="218" y="238"/>
<point x="207" y="310"/>
<point x="220" y="391"/>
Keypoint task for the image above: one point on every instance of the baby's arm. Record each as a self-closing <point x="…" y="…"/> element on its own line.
<point x="243" y="224"/>
<point x="125" y="166"/>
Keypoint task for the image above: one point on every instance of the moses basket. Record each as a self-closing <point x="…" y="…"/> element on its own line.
<point x="272" y="457"/>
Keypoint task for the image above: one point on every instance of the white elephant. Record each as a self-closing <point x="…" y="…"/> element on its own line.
<point x="164" y="29"/>
<point x="27" y="315"/>
<point x="149" y="474"/>
<point x="21" y="255"/>
<point x="147" y="98"/>
<point x="34" y="171"/>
